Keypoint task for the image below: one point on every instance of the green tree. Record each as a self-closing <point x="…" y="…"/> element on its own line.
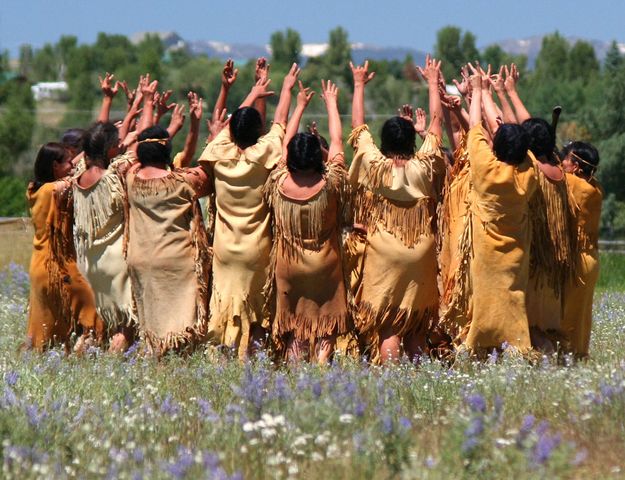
<point x="112" y="52"/>
<point x="455" y="49"/>
<point x="552" y="60"/>
<point x="286" y="48"/>
<point x="45" y="64"/>
<point x="149" y="56"/>
<point x="17" y="122"/>
<point x="26" y="60"/>
<point x="613" y="59"/>
<point x="582" y="62"/>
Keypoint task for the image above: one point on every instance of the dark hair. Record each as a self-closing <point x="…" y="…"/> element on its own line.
<point x="542" y="138"/>
<point x="304" y="153"/>
<point x="511" y="143"/>
<point x="246" y="126"/>
<point x="47" y="155"/>
<point x="585" y="151"/>
<point x="154" y="153"/>
<point x="398" y="138"/>
<point x="99" y="139"/>
<point x="73" y="138"/>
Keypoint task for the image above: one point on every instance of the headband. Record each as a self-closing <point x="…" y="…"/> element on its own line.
<point x="162" y="141"/>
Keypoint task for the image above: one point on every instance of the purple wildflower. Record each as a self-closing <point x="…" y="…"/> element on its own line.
<point x="476" y="403"/>
<point x="169" y="406"/>
<point x="544" y="447"/>
<point x="11" y="378"/>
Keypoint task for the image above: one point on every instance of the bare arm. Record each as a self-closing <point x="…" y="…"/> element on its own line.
<point x="497" y="81"/>
<point x="475" y="110"/>
<point x="282" y="110"/>
<point x="303" y="99"/>
<point x="361" y="76"/>
<point x="488" y="104"/>
<point x="262" y="71"/>
<point x="190" y="144"/>
<point x="177" y="121"/>
<point x="161" y="105"/>
<point x="512" y="77"/>
<point x="431" y="73"/>
<point x="330" y="97"/>
<point x="147" y="116"/>
<point x="133" y="111"/>
<point x="228" y="77"/>
<point x="109" y="90"/>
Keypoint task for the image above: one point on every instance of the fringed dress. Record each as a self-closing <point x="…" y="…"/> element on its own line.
<point x="99" y="221"/>
<point x="168" y="258"/>
<point x="308" y="282"/>
<point x="396" y="202"/>
<point x="552" y="256"/>
<point x="61" y="301"/>
<point x="242" y="235"/>
<point x="500" y="238"/>
<point x="578" y="294"/>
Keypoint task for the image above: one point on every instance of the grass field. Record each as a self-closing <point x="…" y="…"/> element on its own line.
<point x="209" y="417"/>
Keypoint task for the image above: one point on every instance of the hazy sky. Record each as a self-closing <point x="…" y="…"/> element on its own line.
<point x="409" y="23"/>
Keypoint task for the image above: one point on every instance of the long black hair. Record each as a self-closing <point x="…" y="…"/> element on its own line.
<point x="585" y="155"/>
<point x="542" y="139"/>
<point x="398" y="138"/>
<point x="154" y="152"/>
<point x="98" y="140"/>
<point x="44" y="170"/>
<point x="246" y="127"/>
<point x="304" y="153"/>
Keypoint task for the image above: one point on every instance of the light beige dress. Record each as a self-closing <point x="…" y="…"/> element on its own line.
<point x="168" y="258"/>
<point x="99" y="221"/>
<point x="242" y="234"/>
<point x="396" y="202"/>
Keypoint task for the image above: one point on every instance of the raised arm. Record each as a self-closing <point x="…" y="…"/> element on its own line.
<point x="361" y="76"/>
<point x="133" y="111"/>
<point x="497" y="81"/>
<point x="148" y="89"/>
<point x="195" y="115"/>
<point x="216" y="124"/>
<point x="258" y="90"/>
<point x="228" y="77"/>
<point x="176" y="122"/>
<point x="281" y="115"/>
<point x="488" y="104"/>
<point x="303" y="99"/>
<point x="330" y="97"/>
<point x="431" y="72"/>
<point x="109" y="90"/>
<point x="261" y="72"/>
<point x="162" y="107"/>
<point x="512" y="77"/>
<point x="475" y="109"/>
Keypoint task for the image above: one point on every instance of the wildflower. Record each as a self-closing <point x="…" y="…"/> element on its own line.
<point x="544" y="447"/>
<point x="346" y="418"/>
<point x="11" y="378"/>
<point x="476" y="403"/>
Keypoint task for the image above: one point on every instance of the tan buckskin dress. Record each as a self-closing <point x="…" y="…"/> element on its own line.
<point x="242" y="234"/>
<point x="168" y="258"/>
<point x="499" y="237"/>
<point x="60" y="298"/>
<point x="396" y="202"/>
<point x="99" y="222"/>
<point x="577" y="319"/>
<point x="308" y="281"/>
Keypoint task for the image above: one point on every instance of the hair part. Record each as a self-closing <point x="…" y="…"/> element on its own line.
<point x="542" y="138"/>
<point x="99" y="139"/>
<point x="154" y="153"/>
<point x="398" y="138"/>
<point x="304" y="154"/>
<point x="246" y="127"/>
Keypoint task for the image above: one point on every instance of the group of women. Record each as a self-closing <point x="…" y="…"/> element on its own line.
<point x="490" y="244"/>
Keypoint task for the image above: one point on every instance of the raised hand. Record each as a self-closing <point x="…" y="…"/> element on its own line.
<point x="431" y="70"/>
<point x="485" y="77"/>
<point x="291" y="77"/>
<point x="420" y="123"/>
<point x="229" y="74"/>
<point x="512" y="77"/>
<point x="149" y="88"/>
<point x="497" y="80"/>
<point x="109" y="89"/>
<point x="195" y="107"/>
<point x="329" y="91"/>
<point x="262" y="69"/>
<point x="161" y="103"/>
<point x="406" y="112"/>
<point x="259" y="90"/>
<point x="217" y="123"/>
<point x="451" y="102"/>
<point x="361" y="74"/>
<point x="177" y="119"/>
<point x="304" y="95"/>
<point x="475" y="79"/>
<point x="464" y="87"/>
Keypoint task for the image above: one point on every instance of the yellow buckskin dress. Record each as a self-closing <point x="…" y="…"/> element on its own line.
<point x="577" y="319"/>
<point x="396" y="202"/>
<point x="60" y="298"/>
<point x="500" y="236"/>
<point x="168" y="258"/>
<point x="242" y="235"/>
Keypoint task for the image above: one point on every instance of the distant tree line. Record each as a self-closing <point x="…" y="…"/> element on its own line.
<point x="592" y="94"/>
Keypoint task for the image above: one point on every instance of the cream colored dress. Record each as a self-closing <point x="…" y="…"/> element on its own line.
<point x="242" y="234"/>
<point x="168" y="258"/>
<point x="99" y="221"/>
<point x="396" y="202"/>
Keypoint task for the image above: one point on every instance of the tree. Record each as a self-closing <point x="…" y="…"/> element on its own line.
<point x="26" y="60"/>
<point x="455" y="49"/>
<point x="582" y="62"/>
<point x="150" y="54"/>
<point x="286" y="48"/>
<point x="45" y="64"/>
<point x="613" y="59"/>
<point x="338" y="55"/>
<point x="552" y="60"/>
<point x="112" y="52"/>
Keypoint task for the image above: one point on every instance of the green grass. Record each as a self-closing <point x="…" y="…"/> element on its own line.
<point x="612" y="272"/>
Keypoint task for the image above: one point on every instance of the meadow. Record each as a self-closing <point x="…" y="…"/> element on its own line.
<point x="207" y="416"/>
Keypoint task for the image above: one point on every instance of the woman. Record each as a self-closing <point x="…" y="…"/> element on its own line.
<point x="61" y="301"/>
<point x="552" y="255"/>
<point x="168" y="257"/>
<point x="308" y="203"/>
<point x="580" y="164"/>
<point x="498" y="232"/>
<point x="240" y="160"/>
<point x="99" y="202"/>
<point x="396" y="192"/>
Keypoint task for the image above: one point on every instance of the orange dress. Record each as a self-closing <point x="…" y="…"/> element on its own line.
<point x="500" y="241"/>
<point x="578" y="295"/>
<point x="61" y="301"/>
